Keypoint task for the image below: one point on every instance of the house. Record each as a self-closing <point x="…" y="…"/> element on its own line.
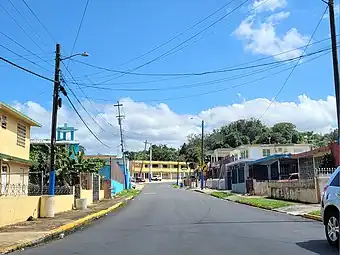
<point x="239" y="167"/>
<point x="165" y="169"/>
<point x="65" y="137"/>
<point x="113" y="172"/>
<point x="14" y="150"/>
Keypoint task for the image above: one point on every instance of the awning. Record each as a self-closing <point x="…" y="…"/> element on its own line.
<point x="16" y="159"/>
<point x="271" y="158"/>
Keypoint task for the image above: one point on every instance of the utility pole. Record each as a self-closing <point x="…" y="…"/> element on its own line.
<point x="150" y="165"/>
<point x="177" y="172"/>
<point x="141" y="167"/>
<point x="120" y="117"/>
<point x="335" y="62"/>
<point x="54" y="120"/>
<point x="202" y="154"/>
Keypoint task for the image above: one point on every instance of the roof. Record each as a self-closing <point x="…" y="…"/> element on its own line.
<point x="240" y="161"/>
<point x="272" y="145"/>
<point x="272" y="157"/>
<point x="16" y="159"/>
<point x="48" y="141"/>
<point x="18" y="114"/>
<point x="321" y="150"/>
<point x="158" y="162"/>
<point x="100" y="156"/>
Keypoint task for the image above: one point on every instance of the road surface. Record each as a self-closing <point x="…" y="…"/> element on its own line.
<point x="163" y="220"/>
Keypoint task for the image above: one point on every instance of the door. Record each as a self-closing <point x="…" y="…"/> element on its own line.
<point x="4" y="172"/>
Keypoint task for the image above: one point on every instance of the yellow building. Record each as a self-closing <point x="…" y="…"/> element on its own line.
<point x="165" y="169"/>
<point x="14" y="150"/>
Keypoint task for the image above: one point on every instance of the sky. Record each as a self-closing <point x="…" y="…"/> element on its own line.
<point x="167" y="47"/>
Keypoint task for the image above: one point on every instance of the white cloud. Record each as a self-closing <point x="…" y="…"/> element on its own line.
<point x="159" y="124"/>
<point x="268" y="5"/>
<point x="262" y="38"/>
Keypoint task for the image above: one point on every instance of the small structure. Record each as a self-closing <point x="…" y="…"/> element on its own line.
<point x="14" y="150"/>
<point x="65" y="137"/>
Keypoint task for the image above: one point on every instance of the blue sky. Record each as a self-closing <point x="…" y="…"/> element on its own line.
<point x="114" y="32"/>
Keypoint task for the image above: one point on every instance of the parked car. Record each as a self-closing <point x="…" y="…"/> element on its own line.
<point x="140" y="179"/>
<point x="330" y="208"/>
<point x="156" y="178"/>
<point x="292" y="177"/>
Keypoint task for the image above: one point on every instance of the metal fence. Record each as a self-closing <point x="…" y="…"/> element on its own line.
<point x="36" y="190"/>
<point x="13" y="189"/>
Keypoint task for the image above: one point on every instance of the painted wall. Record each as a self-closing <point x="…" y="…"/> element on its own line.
<point x="19" y="208"/>
<point x="88" y="194"/>
<point x="17" y="173"/>
<point x="63" y="203"/>
<point x="239" y="188"/>
<point x="116" y="187"/>
<point x="8" y="138"/>
<point x="101" y="194"/>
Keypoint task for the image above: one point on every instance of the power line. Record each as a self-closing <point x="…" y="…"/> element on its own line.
<point x="81" y="118"/>
<point x="75" y="96"/>
<point x="34" y="63"/>
<point x="20" y="27"/>
<point x="41" y="23"/>
<point x="25" y="69"/>
<point x="215" y="91"/>
<point x="273" y="65"/>
<point x="79" y="27"/>
<point x="296" y="64"/>
<point x="29" y="24"/>
<point x="167" y="53"/>
<point x="230" y="68"/>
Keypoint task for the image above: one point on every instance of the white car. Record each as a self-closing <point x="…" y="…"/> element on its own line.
<point x="330" y="208"/>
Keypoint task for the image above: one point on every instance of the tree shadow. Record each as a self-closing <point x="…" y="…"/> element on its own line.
<point x="319" y="247"/>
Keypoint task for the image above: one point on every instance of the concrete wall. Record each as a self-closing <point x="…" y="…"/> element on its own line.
<point x="19" y="208"/>
<point x="304" y="191"/>
<point x="88" y="194"/>
<point x="261" y="188"/>
<point x="63" y="203"/>
<point x="101" y="194"/>
<point x="239" y="188"/>
<point x="322" y="181"/>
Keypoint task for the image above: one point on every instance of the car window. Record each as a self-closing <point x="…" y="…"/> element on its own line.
<point x="336" y="181"/>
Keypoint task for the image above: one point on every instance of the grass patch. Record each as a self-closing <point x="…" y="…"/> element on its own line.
<point x="265" y="203"/>
<point x="221" y="195"/>
<point x="315" y="213"/>
<point x="175" y="186"/>
<point x="128" y="193"/>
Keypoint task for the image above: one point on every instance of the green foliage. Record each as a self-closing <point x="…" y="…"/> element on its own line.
<point x="66" y="166"/>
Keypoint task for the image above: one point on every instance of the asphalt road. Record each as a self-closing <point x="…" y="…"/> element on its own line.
<point x="163" y="220"/>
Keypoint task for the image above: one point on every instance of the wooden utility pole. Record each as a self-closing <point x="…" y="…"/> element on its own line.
<point x="120" y="117"/>
<point x="335" y="61"/>
<point x="54" y="120"/>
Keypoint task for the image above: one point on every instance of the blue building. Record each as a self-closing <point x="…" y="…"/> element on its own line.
<point x="114" y="171"/>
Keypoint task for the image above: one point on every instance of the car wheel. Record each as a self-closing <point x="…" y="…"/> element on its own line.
<point x="332" y="228"/>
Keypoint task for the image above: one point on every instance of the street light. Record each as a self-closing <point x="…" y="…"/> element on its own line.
<point x="83" y="54"/>
<point x="202" y="152"/>
<point x="56" y="89"/>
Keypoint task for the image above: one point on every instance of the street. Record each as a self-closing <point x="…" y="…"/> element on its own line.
<point x="164" y="220"/>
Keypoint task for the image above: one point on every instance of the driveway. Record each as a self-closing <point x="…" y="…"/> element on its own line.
<point x="164" y="220"/>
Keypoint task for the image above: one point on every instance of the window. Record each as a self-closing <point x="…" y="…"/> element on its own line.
<point x="154" y="165"/>
<point x="336" y="181"/>
<point x="247" y="155"/>
<point x="234" y="175"/>
<point x="266" y="152"/>
<point x="279" y="149"/>
<point x="285" y="150"/>
<point x="4" y="121"/>
<point x="21" y="134"/>
<point x="165" y="166"/>
<point x="241" y="174"/>
<point x="146" y="166"/>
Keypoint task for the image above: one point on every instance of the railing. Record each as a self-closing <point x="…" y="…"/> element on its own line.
<point x="35" y="190"/>
<point x="13" y="189"/>
<point x="324" y="171"/>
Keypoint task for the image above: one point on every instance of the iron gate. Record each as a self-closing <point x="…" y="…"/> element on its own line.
<point x="95" y="187"/>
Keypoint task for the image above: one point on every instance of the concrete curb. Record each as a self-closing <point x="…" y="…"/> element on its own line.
<point x="311" y="217"/>
<point x="306" y="216"/>
<point x="64" y="229"/>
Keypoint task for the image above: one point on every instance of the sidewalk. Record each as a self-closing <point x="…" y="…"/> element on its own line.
<point x="292" y="208"/>
<point x="30" y="233"/>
